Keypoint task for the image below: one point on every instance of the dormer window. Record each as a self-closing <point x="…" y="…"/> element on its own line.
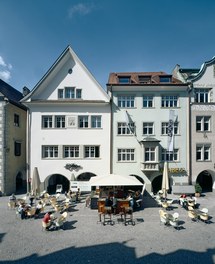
<point x="165" y="79"/>
<point x="124" y="79"/>
<point x="144" y="79"/>
<point x="70" y="93"/>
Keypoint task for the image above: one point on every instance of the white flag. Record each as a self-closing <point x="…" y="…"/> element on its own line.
<point x="170" y="131"/>
<point x="128" y="122"/>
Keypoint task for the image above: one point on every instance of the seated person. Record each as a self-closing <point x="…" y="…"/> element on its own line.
<point x="131" y="200"/>
<point x="47" y="220"/>
<point x="38" y="209"/>
<point x="114" y="205"/>
<point x="108" y="201"/>
<point x="12" y="197"/>
<point x="22" y="209"/>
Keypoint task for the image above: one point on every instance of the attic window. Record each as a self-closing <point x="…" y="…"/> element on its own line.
<point x="70" y="93"/>
<point x="124" y="79"/>
<point x="144" y="79"/>
<point x="165" y="79"/>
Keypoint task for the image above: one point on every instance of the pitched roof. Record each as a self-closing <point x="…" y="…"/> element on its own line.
<point x="142" y="78"/>
<point x="10" y="93"/>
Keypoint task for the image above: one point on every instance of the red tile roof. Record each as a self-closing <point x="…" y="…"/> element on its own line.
<point x="135" y="78"/>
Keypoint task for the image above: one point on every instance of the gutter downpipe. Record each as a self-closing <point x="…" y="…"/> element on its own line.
<point x="111" y="130"/>
<point x="190" y="89"/>
<point x="28" y="151"/>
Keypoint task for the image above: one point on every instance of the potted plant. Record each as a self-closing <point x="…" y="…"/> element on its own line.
<point x="198" y="190"/>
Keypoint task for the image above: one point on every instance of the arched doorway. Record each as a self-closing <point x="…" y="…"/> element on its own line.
<point x="157" y="184"/>
<point x="85" y="176"/>
<point x="205" y="180"/>
<point x="57" y="179"/>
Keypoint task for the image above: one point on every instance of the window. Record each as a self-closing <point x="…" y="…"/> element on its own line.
<point x="203" y="123"/>
<point x="125" y="129"/>
<point x="202" y="95"/>
<point x="60" y="93"/>
<point x="125" y="154"/>
<point x="71" y="151"/>
<point x="17" y="148"/>
<point x="95" y="121"/>
<point x="126" y="101"/>
<point x="46" y="121"/>
<point x="59" y="121"/>
<point x="91" y="152"/>
<point x="144" y="79"/>
<point x="170" y="155"/>
<point x="165" y="79"/>
<point x="148" y="128"/>
<point x="70" y="93"/>
<point x="78" y="93"/>
<point x="83" y="121"/>
<point x="150" y="154"/>
<point x="203" y="152"/>
<point x="169" y="101"/>
<point x="16" y="120"/>
<point x="50" y="151"/>
<point x="124" y="79"/>
<point x="147" y="101"/>
<point x="164" y="128"/>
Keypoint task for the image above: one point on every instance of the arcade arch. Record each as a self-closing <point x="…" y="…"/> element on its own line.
<point x="205" y="179"/>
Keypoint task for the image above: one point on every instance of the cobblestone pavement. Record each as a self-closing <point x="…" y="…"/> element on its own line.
<point x="85" y="240"/>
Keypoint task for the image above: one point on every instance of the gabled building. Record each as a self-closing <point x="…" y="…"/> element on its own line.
<point x="68" y="125"/>
<point x="202" y="126"/>
<point x="12" y="140"/>
<point x="141" y="104"/>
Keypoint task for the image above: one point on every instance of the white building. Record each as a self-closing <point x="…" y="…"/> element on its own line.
<point x="68" y="124"/>
<point x="141" y="104"/>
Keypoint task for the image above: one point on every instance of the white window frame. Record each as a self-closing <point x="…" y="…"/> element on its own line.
<point x="171" y="156"/>
<point x="83" y="121"/>
<point x="47" y="121"/>
<point x="201" y="122"/>
<point x="60" y="121"/>
<point x="201" y="151"/>
<point x="126" y="101"/>
<point x="125" y="129"/>
<point x="150" y="154"/>
<point x="50" y="152"/>
<point x="148" y="101"/>
<point x="148" y="128"/>
<point x="96" y="121"/>
<point x="71" y="151"/>
<point x="169" y="101"/>
<point x="91" y="152"/>
<point x="202" y="95"/>
<point x="126" y="155"/>
<point x="165" y="125"/>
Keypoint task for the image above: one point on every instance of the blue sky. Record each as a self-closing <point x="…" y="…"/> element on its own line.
<point x="107" y="35"/>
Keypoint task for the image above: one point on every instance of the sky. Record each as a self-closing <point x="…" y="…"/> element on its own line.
<point x="107" y="35"/>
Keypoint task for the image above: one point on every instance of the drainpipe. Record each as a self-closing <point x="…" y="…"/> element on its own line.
<point x="190" y="89"/>
<point x="111" y="130"/>
<point x="28" y="150"/>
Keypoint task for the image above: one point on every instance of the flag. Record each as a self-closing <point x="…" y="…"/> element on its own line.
<point x="129" y="122"/>
<point x="170" y="130"/>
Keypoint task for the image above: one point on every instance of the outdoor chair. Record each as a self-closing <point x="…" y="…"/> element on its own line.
<point x="163" y="219"/>
<point x="193" y="216"/>
<point x="31" y="212"/>
<point x="174" y="221"/>
<point x="12" y="205"/>
<point x="61" y="220"/>
<point x="204" y="217"/>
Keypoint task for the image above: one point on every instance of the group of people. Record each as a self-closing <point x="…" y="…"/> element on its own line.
<point x="135" y="200"/>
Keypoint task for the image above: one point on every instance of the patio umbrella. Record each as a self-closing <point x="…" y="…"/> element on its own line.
<point x="35" y="183"/>
<point x="165" y="179"/>
<point x="114" y="180"/>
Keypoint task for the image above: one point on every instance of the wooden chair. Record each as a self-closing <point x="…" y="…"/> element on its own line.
<point x="193" y="216"/>
<point x="163" y="219"/>
<point x="31" y="212"/>
<point x="11" y="204"/>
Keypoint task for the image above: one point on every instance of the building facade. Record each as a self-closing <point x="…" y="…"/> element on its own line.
<point x="140" y="106"/>
<point x="68" y="125"/>
<point x="202" y="126"/>
<point x="12" y="140"/>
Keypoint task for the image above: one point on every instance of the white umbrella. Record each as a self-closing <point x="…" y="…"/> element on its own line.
<point x="35" y="183"/>
<point x="114" y="180"/>
<point x="165" y="179"/>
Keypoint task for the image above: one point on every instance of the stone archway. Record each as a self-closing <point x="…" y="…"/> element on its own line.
<point x="205" y="180"/>
<point x="157" y="184"/>
<point x="55" y="179"/>
<point x="85" y="176"/>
